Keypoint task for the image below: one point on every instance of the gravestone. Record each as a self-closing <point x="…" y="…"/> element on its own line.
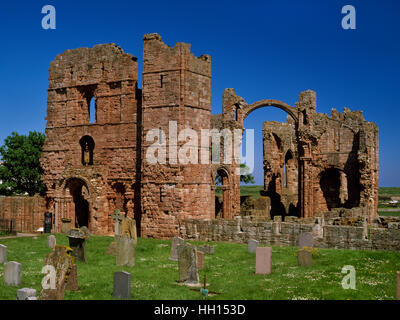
<point x="187" y="264"/>
<point x="117" y="217"/>
<point x="398" y="285"/>
<point x="125" y="251"/>
<point x="51" y="241"/>
<point x="62" y="261"/>
<point x="3" y="253"/>
<point x="175" y="242"/>
<point x="25" y="293"/>
<point x="72" y="281"/>
<point x="122" y="285"/>
<point x="65" y="225"/>
<point x="128" y="228"/>
<point x="304" y="258"/>
<point x="252" y="245"/>
<point x="263" y="260"/>
<point x="306" y="240"/>
<point x="12" y="273"/>
<point x="77" y="243"/>
<point x="207" y="249"/>
<point x="200" y="260"/>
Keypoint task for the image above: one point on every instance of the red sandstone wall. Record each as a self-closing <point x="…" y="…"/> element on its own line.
<point x="28" y="212"/>
<point x="177" y="87"/>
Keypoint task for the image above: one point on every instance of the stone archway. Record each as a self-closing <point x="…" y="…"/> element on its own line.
<point x="223" y="207"/>
<point x="268" y="103"/>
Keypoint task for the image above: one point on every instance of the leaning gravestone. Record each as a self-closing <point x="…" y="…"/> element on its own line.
<point x="122" y="285"/>
<point x="61" y="261"/>
<point x="304" y="258"/>
<point x="77" y="243"/>
<point x="252" y="245"/>
<point x="125" y="251"/>
<point x="25" y="293"/>
<point x="306" y="240"/>
<point x="175" y="242"/>
<point x="3" y="253"/>
<point x="187" y="264"/>
<point x="51" y="241"/>
<point x="263" y="260"/>
<point x="12" y="273"/>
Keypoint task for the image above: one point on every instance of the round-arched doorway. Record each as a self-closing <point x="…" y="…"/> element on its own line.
<point x="79" y="192"/>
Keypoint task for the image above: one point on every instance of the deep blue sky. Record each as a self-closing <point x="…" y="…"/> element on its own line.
<point x="263" y="49"/>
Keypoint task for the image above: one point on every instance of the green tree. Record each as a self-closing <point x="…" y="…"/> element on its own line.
<point x="20" y="171"/>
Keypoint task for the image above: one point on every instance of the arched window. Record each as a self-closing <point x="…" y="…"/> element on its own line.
<point x="87" y="146"/>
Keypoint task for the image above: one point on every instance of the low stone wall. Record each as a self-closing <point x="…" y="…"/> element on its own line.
<point x="28" y="212"/>
<point x="242" y="229"/>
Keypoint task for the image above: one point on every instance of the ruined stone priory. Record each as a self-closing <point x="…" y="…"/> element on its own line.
<point x="99" y="117"/>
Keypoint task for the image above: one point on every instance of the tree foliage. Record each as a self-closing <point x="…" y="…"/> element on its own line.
<point x="20" y="171"/>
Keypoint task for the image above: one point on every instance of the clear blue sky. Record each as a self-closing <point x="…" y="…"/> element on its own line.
<point x="263" y="49"/>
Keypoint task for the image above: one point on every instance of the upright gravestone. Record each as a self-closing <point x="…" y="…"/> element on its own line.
<point x="72" y="281"/>
<point x="306" y="240"/>
<point x="263" y="260"/>
<point x="122" y="285"/>
<point x="175" y="242"/>
<point x="187" y="264"/>
<point x="304" y="258"/>
<point x="25" y="293"/>
<point x="125" y="251"/>
<point x="77" y="243"/>
<point x="200" y="259"/>
<point x="118" y="217"/>
<point x="252" y="245"/>
<point x="12" y="273"/>
<point x="3" y="253"/>
<point x="207" y="249"/>
<point x="51" y="241"/>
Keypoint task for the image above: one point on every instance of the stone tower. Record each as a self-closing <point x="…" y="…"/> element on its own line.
<point x="176" y="97"/>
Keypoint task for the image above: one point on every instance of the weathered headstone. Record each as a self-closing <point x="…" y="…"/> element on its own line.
<point x="51" y="241"/>
<point x="128" y="227"/>
<point x="306" y="240"/>
<point x="175" y="242"/>
<point x="252" y="245"/>
<point x="61" y="261"/>
<point x="398" y="285"/>
<point x="117" y="217"/>
<point x="263" y="260"/>
<point x="77" y="243"/>
<point x="125" y="251"/>
<point x="200" y="260"/>
<point x="187" y="264"/>
<point x="122" y="285"/>
<point x="25" y="293"/>
<point x="72" y="281"/>
<point x="207" y="249"/>
<point x="65" y="225"/>
<point x="304" y="258"/>
<point x="3" y="253"/>
<point x="12" y="273"/>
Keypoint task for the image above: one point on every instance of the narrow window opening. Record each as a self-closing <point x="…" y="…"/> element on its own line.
<point x="92" y="110"/>
<point x="161" y="80"/>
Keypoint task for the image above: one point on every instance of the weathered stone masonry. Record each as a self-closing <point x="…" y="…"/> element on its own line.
<point x="98" y="121"/>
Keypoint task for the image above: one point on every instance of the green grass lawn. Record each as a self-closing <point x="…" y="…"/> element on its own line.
<point x="230" y="272"/>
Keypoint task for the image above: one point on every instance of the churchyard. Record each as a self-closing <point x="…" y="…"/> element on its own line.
<point x="230" y="271"/>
